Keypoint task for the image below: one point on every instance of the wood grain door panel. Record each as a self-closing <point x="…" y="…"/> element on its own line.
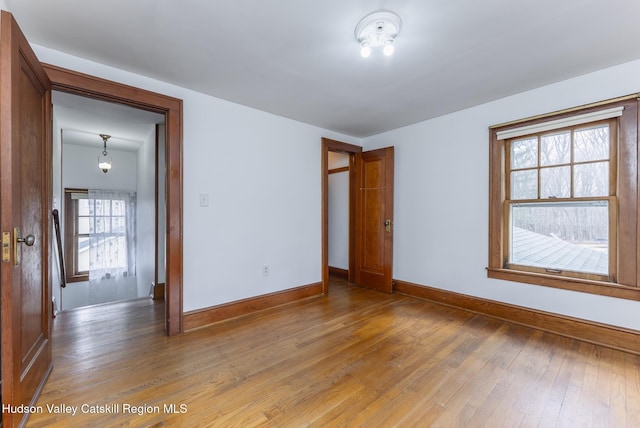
<point x="374" y="207"/>
<point x="25" y="159"/>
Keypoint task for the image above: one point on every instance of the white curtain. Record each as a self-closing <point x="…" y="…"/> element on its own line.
<point x="112" y="254"/>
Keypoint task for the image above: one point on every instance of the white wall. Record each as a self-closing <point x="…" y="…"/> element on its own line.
<point x="441" y="198"/>
<point x="146" y="214"/>
<point x="80" y="168"/>
<point x="338" y="196"/>
<point x="262" y="175"/>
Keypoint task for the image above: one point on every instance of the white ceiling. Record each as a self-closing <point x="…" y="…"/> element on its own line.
<point x="299" y="59"/>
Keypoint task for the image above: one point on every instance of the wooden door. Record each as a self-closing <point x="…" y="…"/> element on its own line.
<point x="25" y="159"/>
<point x="374" y="219"/>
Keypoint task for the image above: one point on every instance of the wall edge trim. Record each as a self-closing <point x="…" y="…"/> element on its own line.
<point x="203" y="317"/>
<point x="606" y="335"/>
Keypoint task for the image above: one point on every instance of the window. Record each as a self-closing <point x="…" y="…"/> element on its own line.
<point x="560" y="199"/>
<point x="95" y="234"/>
<point x="563" y="200"/>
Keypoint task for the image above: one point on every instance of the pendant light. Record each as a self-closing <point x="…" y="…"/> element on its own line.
<point x="104" y="160"/>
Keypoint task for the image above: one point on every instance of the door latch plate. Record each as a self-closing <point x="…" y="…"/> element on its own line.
<point x="6" y="247"/>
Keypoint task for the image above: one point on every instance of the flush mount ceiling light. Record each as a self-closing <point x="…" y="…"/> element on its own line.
<point x="378" y="29"/>
<point x="104" y="160"/>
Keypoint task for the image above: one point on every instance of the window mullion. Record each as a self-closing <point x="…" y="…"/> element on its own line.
<point x="572" y="154"/>
<point x="538" y="169"/>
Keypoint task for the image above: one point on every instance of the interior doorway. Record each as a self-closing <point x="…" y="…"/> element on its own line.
<point x="72" y="82"/>
<point x="133" y="135"/>
<point x="371" y="188"/>
<point x="349" y="151"/>
<point x="339" y="170"/>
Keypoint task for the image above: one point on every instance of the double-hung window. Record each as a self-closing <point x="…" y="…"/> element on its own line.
<point x="560" y="205"/>
<point x="564" y="200"/>
<point x="95" y="234"/>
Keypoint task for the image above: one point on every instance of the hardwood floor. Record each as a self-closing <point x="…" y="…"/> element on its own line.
<point x="353" y="358"/>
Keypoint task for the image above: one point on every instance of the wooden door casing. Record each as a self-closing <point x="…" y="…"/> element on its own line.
<point x="25" y="158"/>
<point x="329" y="145"/>
<point x="81" y="84"/>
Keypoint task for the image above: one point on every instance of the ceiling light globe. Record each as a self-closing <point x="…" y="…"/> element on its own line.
<point x="365" y="50"/>
<point x="104" y="163"/>
<point x="104" y="166"/>
<point x="388" y="49"/>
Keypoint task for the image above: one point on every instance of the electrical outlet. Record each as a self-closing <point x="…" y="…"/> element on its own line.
<point x="265" y="270"/>
<point x="204" y="199"/>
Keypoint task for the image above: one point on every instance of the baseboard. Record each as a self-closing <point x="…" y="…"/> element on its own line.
<point x="339" y="273"/>
<point x="588" y="331"/>
<point x="158" y="291"/>
<point x="203" y="317"/>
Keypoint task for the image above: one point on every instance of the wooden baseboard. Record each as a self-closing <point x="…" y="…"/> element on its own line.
<point x="204" y="317"/>
<point x="158" y="291"/>
<point x="339" y="273"/>
<point x="588" y="331"/>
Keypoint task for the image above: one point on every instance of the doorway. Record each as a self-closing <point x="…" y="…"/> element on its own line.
<point x="72" y="82"/>
<point x="347" y="151"/>
<point x="370" y="215"/>
<point x="120" y="243"/>
<point x="339" y="170"/>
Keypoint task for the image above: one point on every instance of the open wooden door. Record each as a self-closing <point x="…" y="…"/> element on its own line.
<point x="25" y="170"/>
<point x="374" y="219"/>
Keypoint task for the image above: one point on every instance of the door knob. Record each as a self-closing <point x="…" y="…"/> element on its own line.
<point x="29" y="240"/>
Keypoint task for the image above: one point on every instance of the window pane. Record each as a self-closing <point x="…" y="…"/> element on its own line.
<point x="118" y="207"/>
<point x="524" y="184"/>
<point x="103" y="207"/>
<point x="83" y="255"/>
<point x="555" y="182"/>
<point x="99" y="228"/>
<point x="83" y="206"/>
<point x="83" y="225"/>
<point x="107" y="224"/>
<point x="555" y="149"/>
<point x="571" y="236"/>
<point x="118" y="225"/>
<point x="110" y="252"/>
<point x="591" y="144"/>
<point x="591" y="179"/>
<point x="98" y="210"/>
<point x="524" y="153"/>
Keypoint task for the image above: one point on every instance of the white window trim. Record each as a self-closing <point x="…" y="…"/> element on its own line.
<point x="560" y="123"/>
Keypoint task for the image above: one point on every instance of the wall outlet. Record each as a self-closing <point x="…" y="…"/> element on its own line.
<point x="265" y="270"/>
<point x="204" y="199"/>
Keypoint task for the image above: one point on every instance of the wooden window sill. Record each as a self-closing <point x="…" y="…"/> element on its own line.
<point x="574" y="284"/>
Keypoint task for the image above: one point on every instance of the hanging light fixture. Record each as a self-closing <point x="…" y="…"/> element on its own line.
<point x="378" y="29"/>
<point x="104" y="160"/>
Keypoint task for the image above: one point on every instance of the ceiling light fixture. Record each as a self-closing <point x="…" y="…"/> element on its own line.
<point x="378" y="29"/>
<point x="104" y="160"/>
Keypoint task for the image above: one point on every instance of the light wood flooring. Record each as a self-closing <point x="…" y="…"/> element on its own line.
<point x="354" y="358"/>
